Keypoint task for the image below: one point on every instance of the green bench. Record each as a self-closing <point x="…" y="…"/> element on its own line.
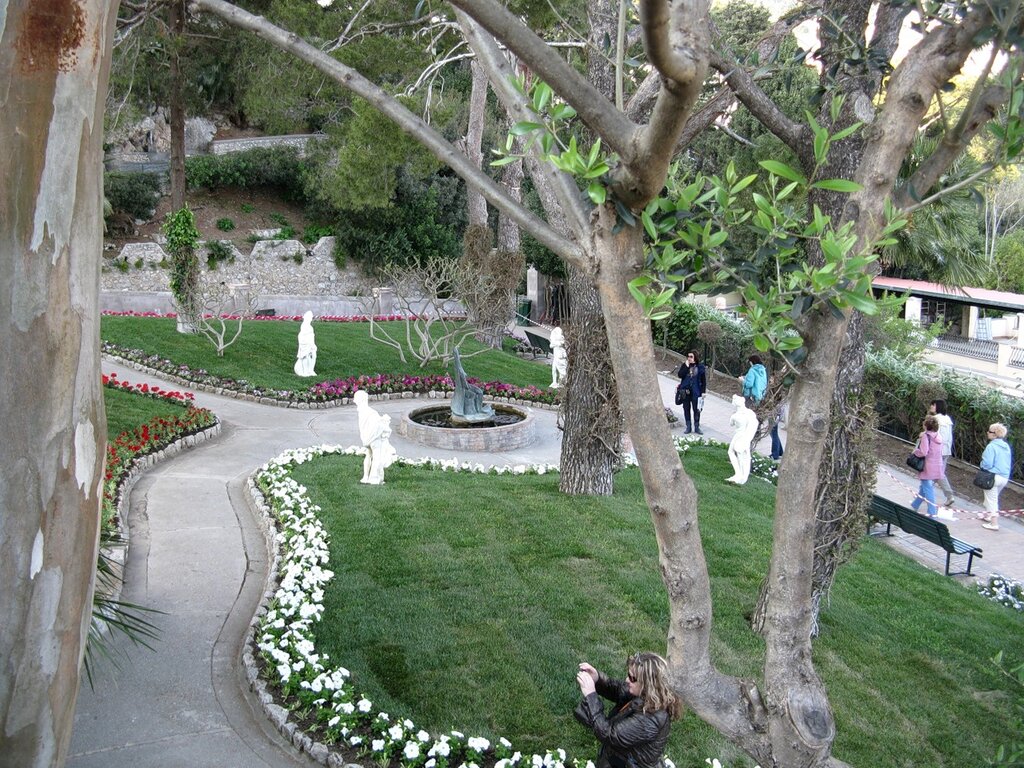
<point x="538" y="343"/>
<point x="890" y="513"/>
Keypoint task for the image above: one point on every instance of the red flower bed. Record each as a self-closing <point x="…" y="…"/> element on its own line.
<point x="158" y="433"/>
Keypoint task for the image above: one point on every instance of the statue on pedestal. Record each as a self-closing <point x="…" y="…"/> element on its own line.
<point x="468" y="401"/>
<point x="374" y="431"/>
<point x="305" y="358"/>
<point x="744" y="421"/>
<point x="559" y="357"/>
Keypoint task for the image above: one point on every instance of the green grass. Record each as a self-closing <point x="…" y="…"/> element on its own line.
<point x="127" y="410"/>
<point x="265" y="353"/>
<point x="466" y="601"/>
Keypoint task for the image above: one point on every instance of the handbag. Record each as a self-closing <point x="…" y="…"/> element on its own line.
<point x="985" y="479"/>
<point x="682" y="394"/>
<point x="915" y="462"/>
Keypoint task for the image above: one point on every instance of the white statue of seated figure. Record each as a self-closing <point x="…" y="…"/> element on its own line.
<point x="744" y="421"/>
<point x="374" y="431"/>
<point x="559" y="357"/>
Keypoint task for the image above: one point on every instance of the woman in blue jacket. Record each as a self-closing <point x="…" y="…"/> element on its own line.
<point x="755" y="383"/>
<point x="997" y="459"/>
<point x="693" y="384"/>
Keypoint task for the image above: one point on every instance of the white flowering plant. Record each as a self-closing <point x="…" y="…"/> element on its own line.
<point x="1003" y="590"/>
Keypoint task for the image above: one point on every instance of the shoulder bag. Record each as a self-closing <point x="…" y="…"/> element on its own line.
<point x="985" y="479"/>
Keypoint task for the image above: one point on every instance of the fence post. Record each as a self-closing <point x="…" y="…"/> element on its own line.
<point x="1003" y="359"/>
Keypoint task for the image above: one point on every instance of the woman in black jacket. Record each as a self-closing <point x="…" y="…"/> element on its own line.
<point x="634" y="733"/>
<point x="693" y="384"/>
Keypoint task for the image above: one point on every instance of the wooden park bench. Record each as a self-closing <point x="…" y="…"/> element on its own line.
<point x="539" y="343"/>
<point x="890" y="513"/>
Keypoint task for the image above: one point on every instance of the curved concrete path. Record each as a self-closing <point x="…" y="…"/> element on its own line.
<point x="197" y="555"/>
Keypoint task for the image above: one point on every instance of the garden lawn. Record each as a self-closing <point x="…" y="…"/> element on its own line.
<point x="466" y="601"/>
<point x="265" y="353"/>
<point x="127" y="410"/>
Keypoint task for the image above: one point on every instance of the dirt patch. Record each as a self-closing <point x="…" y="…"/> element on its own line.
<point x="245" y="209"/>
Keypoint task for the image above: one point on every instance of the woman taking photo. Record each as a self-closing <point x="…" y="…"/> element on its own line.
<point x="634" y="733"/>
<point x="693" y="383"/>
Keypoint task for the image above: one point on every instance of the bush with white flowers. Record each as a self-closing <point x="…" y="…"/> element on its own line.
<point x="307" y="680"/>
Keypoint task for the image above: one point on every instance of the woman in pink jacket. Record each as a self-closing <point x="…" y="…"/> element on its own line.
<point x="929" y="445"/>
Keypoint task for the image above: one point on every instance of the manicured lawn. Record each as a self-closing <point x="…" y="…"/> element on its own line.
<point x="127" y="410"/>
<point x="265" y="353"/>
<point x="466" y="601"/>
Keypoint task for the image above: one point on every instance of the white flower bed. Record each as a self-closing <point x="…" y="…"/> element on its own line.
<point x="308" y="680"/>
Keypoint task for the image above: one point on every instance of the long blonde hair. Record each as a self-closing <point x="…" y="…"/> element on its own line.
<point x="651" y="673"/>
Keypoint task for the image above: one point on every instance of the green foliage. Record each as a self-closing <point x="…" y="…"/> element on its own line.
<point x="682" y="332"/>
<point x="357" y="167"/>
<point x="425" y="222"/>
<point x="134" y="193"/>
<point x="218" y="252"/>
<point x="314" y="232"/>
<point x="1011" y="754"/>
<point x="279" y="168"/>
<point x="1008" y="274"/>
<point x="225" y="224"/>
<point x="182" y="238"/>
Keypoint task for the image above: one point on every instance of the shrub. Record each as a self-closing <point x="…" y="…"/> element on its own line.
<point x="686" y="328"/>
<point x="902" y="391"/>
<point x="216" y="252"/>
<point x="278" y="167"/>
<point x="225" y="224"/>
<point x="133" y="193"/>
<point x="313" y="233"/>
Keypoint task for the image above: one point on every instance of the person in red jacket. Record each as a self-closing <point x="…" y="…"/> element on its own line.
<point x="634" y="733"/>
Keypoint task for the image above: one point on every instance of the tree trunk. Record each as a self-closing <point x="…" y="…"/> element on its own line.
<point x="589" y="413"/>
<point x="176" y="23"/>
<point x="54" y="63"/>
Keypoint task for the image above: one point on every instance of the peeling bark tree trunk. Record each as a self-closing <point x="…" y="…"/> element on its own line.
<point x="54" y="61"/>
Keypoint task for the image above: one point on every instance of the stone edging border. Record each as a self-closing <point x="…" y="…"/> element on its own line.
<point x="118" y="553"/>
<point x="279" y="717"/>
<point x="308" y="406"/>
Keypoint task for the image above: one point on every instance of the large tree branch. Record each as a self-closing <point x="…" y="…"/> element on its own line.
<point x="939" y="56"/>
<point x="403" y="118"/>
<point x="614" y="128"/>
<point x="794" y="135"/>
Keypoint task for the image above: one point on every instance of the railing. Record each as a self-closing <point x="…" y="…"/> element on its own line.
<point x="980" y="350"/>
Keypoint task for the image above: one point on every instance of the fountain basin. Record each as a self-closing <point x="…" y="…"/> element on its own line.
<point x="474" y="437"/>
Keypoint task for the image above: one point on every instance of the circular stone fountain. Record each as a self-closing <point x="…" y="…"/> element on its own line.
<point x="431" y="425"/>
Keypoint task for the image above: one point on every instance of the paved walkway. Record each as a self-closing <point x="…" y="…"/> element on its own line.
<point x="197" y="555"/>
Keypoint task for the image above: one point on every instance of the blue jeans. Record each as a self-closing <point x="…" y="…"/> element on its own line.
<point x="927" y="490"/>
<point x="777" y="449"/>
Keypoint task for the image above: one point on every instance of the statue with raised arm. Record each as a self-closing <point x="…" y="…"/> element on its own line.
<point x="468" y="401"/>
<point x="305" y="358"/>
<point x="374" y="431"/>
<point x="559" y="357"/>
<point x="744" y="421"/>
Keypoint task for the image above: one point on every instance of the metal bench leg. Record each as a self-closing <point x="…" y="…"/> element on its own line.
<point x="970" y="560"/>
<point x="947" y="562"/>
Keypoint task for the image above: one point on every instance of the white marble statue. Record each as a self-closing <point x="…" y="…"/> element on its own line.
<point x="559" y="357"/>
<point x="374" y="431"/>
<point x="305" y="358"/>
<point x="744" y="421"/>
